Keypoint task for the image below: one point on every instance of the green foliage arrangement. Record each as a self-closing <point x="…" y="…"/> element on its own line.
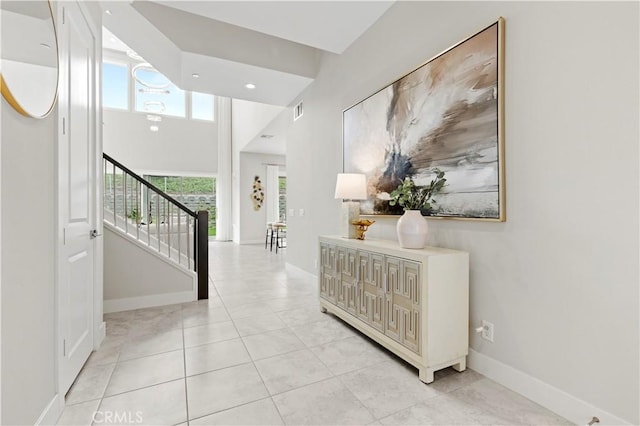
<point x="412" y="197"/>
<point x="134" y="215"/>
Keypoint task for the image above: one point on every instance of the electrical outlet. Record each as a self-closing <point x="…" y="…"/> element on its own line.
<point x="300" y="212"/>
<point x="315" y="264"/>
<point x="487" y="331"/>
<point x="292" y="212"/>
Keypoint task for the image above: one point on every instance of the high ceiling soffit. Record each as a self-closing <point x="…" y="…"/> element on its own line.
<point x="327" y="25"/>
<point x="277" y="46"/>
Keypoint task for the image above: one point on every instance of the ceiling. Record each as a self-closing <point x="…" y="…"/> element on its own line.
<point x="276" y="45"/>
<point x="327" y="25"/>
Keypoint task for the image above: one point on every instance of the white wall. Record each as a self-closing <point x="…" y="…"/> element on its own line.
<point x="27" y="179"/>
<point x="248" y="119"/>
<point x="251" y="224"/>
<point x="150" y="281"/>
<point x="180" y="147"/>
<point x="28" y="243"/>
<point x="560" y="278"/>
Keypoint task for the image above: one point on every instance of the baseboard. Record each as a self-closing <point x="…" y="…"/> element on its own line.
<point x="129" y="303"/>
<point x="294" y="270"/>
<point x="52" y="412"/>
<point x="247" y="242"/>
<point x="560" y="402"/>
<point x="101" y="333"/>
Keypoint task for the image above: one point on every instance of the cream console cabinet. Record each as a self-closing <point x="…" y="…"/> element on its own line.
<point x="413" y="302"/>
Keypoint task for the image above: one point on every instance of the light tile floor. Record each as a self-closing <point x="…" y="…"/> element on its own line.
<point x="260" y="352"/>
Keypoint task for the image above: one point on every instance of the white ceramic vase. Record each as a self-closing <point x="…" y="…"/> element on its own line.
<point x="412" y="230"/>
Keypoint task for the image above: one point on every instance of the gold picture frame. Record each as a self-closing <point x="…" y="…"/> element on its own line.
<point x="32" y="45"/>
<point x="447" y="114"/>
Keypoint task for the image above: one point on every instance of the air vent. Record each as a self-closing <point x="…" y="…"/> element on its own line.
<point x="266" y="136"/>
<point x="297" y="111"/>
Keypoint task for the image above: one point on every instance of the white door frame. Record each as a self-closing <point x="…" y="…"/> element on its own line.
<point x="96" y="129"/>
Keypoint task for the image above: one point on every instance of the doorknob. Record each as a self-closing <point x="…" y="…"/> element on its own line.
<point x="94" y="234"/>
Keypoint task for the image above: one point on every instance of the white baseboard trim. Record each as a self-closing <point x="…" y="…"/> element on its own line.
<point x="294" y="270"/>
<point x="52" y="412"/>
<point x="246" y="242"/>
<point x="560" y="402"/>
<point x="129" y="303"/>
<point x="100" y="335"/>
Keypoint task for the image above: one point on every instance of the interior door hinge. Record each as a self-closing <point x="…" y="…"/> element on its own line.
<point x="64" y="126"/>
<point x="64" y="347"/>
<point x="63" y="15"/>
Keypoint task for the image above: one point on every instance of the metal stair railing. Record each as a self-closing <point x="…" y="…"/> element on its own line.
<point x="140" y="209"/>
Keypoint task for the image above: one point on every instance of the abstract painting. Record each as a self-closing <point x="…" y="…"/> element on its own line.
<point x="447" y="115"/>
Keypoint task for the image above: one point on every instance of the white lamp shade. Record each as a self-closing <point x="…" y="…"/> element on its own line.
<point x="351" y="186"/>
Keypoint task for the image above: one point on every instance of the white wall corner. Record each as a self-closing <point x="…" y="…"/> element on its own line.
<point x="560" y="402"/>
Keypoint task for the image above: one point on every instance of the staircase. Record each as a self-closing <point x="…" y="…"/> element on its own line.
<point x="140" y="211"/>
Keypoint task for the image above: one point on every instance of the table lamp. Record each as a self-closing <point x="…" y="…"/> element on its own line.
<point x="350" y="188"/>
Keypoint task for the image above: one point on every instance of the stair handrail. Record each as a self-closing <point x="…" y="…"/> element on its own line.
<point x="150" y="185"/>
<point x="200" y="229"/>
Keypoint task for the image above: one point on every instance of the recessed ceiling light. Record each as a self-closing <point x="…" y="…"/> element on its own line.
<point x="195" y="75"/>
<point x="153" y="128"/>
<point x="108" y="12"/>
<point x="250" y="86"/>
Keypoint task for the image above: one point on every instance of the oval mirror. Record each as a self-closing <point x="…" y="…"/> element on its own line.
<point x="29" y="61"/>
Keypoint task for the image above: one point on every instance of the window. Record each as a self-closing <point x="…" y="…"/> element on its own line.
<point x="156" y="94"/>
<point x="153" y="92"/>
<point x="115" y="86"/>
<point x="201" y="106"/>
<point x="197" y="193"/>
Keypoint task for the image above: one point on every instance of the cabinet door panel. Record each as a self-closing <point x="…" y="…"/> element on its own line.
<point x="402" y="302"/>
<point x="323" y="283"/>
<point x="328" y="272"/>
<point x="364" y="277"/>
<point x="410" y="300"/>
<point x="411" y="329"/>
<point x="347" y="272"/>
<point x="370" y="289"/>
<point x="393" y="313"/>
<point x="376" y="291"/>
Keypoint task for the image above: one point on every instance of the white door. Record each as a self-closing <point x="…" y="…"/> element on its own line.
<point x="77" y="191"/>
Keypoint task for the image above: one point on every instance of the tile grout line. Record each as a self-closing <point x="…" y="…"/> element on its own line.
<point x="231" y="408"/>
<point x="106" y="387"/>
<point x="257" y="371"/>
<point x="184" y="366"/>
<point x="337" y="377"/>
<point x="307" y="348"/>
